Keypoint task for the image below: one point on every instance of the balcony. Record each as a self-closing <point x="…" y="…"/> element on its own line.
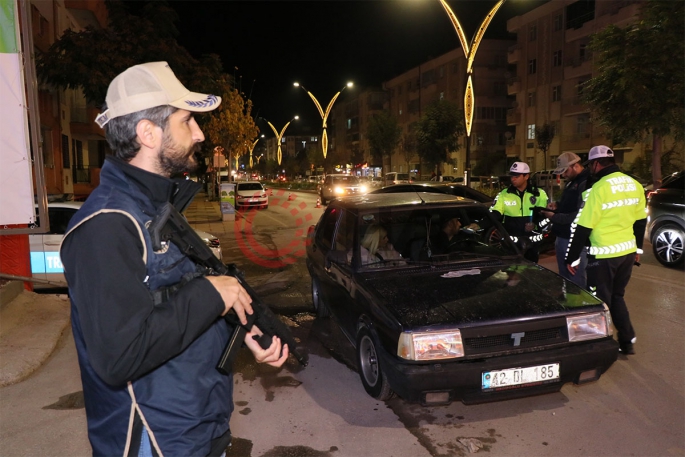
<point x="576" y="67"/>
<point x="573" y="105"/>
<point x="513" y="85"/>
<point x="83" y="123"/>
<point x="513" y="149"/>
<point x="514" y="116"/>
<point x="576" y="141"/>
<point x="514" y="53"/>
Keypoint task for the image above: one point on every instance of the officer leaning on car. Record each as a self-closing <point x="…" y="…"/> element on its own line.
<point x="148" y="358"/>
<point x="515" y="207"/>
<point x="613" y="218"/>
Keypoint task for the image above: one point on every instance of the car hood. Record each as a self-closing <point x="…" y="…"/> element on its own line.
<point x="476" y="295"/>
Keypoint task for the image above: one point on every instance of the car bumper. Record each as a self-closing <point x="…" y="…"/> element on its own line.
<point x="462" y="380"/>
<point x="254" y="202"/>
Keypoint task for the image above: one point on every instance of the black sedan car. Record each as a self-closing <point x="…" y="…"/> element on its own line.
<point x="437" y="312"/>
<point x="666" y="220"/>
<point x="450" y="188"/>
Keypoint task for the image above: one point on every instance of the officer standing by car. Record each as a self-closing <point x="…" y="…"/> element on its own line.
<point x="565" y="211"/>
<point x="515" y="207"/>
<point x="613" y="218"/>
<point x="147" y="325"/>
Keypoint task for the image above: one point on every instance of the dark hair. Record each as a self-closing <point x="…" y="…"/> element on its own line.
<point x="605" y="161"/>
<point x="121" y="131"/>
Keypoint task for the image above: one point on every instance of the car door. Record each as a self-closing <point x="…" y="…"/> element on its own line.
<point x="341" y="291"/>
<point x="45" y="260"/>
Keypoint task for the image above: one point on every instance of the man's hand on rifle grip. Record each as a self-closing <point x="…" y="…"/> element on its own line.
<point x="270" y="355"/>
<point x="233" y="294"/>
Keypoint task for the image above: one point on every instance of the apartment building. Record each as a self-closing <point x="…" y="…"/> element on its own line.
<point x="291" y="145"/>
<point x="73" y="145"/>
<point x="550" y="62"/>
<point x="444" y="78"/>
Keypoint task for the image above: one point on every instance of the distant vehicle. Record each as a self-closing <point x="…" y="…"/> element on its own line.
<point x="396" y="178"/>
<point x="250" y="194"/>
<point x="546" y="178"/>
<point x="474" y="322"/>
<point x="666" y="220"/>
<point x="315" y="178"/>
<point x="438" y="187"/>
<point x="45" y="261"/>
<point x="338" y="185"/>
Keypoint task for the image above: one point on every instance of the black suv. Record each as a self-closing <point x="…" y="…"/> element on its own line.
<point x="666" y="220"/>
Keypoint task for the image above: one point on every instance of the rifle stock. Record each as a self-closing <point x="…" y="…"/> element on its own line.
<point x="169" y="225"/>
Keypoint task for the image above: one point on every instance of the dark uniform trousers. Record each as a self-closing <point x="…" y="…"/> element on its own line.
<point x="608" y="279"/>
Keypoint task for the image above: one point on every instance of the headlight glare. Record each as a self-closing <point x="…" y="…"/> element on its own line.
<point x="430" y="345"/>
<point x="339" y="190"/>
<point x="363" y="189"/>
<point x="587" y="327"/>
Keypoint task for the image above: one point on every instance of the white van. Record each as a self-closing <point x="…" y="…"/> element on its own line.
<point x="396" y="178"/>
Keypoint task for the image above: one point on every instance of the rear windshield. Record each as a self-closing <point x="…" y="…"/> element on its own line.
<point x="250" y="186"/>
<point x="403" y="176"/>
<point x="348" y="180"/>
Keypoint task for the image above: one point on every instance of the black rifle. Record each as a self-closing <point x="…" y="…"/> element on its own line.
<point x="169" y="225"/>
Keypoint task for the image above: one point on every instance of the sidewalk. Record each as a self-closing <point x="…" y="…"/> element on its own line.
<point x="31" y="324"/>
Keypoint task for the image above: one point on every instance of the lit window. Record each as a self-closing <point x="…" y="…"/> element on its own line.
<point x="531" y="132"/>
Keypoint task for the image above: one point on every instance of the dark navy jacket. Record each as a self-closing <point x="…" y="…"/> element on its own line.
<point x="182" y="400"/>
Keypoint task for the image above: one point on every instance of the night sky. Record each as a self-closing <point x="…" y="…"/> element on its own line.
<point x="324" y="44"/>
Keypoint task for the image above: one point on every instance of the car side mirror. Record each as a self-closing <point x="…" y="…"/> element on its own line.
<point x="337" y="257"/>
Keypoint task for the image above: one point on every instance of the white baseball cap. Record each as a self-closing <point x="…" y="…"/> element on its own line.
<point x="149" y="85"/>
<point x="564" y="161"/>
<point x="597" y="152"/>
<point x="519" y="168"/>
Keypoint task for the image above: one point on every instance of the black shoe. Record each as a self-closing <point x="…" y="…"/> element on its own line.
<point x="626" y="349"/>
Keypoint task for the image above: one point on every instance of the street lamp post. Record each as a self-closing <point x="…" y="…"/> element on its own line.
<point x="280" y="135"/>
<point x="252" y="149"/>
<point x="324" y="114"/>
<point x="470" y="54"/>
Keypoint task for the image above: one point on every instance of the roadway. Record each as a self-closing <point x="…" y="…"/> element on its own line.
<point x="636" y="408"/>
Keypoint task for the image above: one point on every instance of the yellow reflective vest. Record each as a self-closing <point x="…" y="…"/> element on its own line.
<point x="610" y="208"/>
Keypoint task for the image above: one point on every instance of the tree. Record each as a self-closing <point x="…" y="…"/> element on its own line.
<point x="544" y="136"/>
<point x="639" y="88"/>
<point x="408" y="148"/>
<point x="231" y="125"/>
<point x="383" y="134"/>
<point x="438" y="131"/>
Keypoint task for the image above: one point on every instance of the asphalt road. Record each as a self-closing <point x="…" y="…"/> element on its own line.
<point x="636" y="408"/>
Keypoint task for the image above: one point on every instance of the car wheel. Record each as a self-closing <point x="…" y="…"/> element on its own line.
<point x="319" y="306"/>
<point x="493" y="237"/>
<point x="667" y="244"/>
<point x="370" y="371"/>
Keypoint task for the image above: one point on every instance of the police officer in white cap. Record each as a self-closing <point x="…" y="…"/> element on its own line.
<point x="612" y="217"/>
<point x="515" y="206"/>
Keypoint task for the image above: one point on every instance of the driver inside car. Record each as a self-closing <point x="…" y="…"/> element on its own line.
<point x="453" y="237"/>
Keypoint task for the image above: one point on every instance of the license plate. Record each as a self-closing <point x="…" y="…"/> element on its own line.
<point x="502" y="379"/>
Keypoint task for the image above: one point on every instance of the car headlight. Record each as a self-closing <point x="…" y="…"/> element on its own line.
<point x="339" y="190"/>
<point x="363" y="189"/>
<point x="589" y="326"/>
<point x="430" y="345"/>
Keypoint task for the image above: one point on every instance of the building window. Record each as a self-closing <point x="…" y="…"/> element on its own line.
<point x="530" y="132"/>
<point x="533" y="33"/>
<point x="442" y="96"/>
<point x="399" y="90"/>
<point x="48" y="154"/>
<point x="556" y="59"/>
<point x="582" y="52"/>
<point x="531" y="98"/>
<point x="500" y="88"/>
<point x="580" y="87"/>
<point x="556" y="93"/>
<point x="66" y="163"/>
<point x="558" y="22"/>
<point x="532" y="66"/>
<point x="441" y="71"/>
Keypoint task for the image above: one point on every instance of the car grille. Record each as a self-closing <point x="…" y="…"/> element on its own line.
<point x="503" y="338"/>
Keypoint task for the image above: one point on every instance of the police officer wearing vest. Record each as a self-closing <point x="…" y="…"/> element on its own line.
<point x="516" y="205"/>
<point x="148" y="366"/>
<point x="565" y="211"/>
<point x="613" y="218"/>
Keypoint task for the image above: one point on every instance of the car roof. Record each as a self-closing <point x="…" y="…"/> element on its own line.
<point x="373" y="201"/>
<point x="248" y="182"/>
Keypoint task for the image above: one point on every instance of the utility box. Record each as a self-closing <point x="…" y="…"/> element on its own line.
<point x="227" y="200"/>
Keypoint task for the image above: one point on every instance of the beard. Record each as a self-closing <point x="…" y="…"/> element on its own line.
<point x="175" y="159"/>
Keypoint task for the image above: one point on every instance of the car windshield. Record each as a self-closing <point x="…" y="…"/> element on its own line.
<point x="404" y="237"/>
<point x="403" y="176"/>
<point x="250" y="186"/>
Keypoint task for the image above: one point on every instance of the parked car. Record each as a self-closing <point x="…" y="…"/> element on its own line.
<point x="397" y="178"/>
<point x="45" y="261"/>
<point x="476" y="324"/>
<point x="666" y="220"/>
<point x="337" y="185"/>
<point x="438" y="187"/>
<point x="250" y="194"/>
